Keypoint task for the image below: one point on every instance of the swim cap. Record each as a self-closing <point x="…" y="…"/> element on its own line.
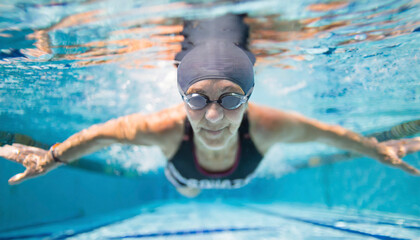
<point x="216" y="60"/>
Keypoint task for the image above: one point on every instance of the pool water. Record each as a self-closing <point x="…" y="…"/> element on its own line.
<point x="230" y="220"/>
<point x="67" y="65"/>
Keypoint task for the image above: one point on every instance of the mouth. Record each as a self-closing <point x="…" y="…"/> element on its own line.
<point x="212" y="132"/>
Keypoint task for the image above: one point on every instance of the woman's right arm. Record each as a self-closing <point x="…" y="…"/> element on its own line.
<point x="163" y="129"/>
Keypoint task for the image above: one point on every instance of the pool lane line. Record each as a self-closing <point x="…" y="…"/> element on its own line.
<point x="41" y="235"/>
<point x="276" y="214"/>
<point x="54" y="236"/>
<point x="40" y="224"/>
<point x="68" y="232"/>
<point x="194" y="232"/>
<point x="155" y="234"/>
<point x="381" y="222"/>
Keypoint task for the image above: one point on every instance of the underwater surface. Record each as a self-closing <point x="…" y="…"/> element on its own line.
<point x="66" y="65"/>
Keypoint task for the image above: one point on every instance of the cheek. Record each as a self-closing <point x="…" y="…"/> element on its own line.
<point x="235" y="117"/>
<point x="194" y="116"/>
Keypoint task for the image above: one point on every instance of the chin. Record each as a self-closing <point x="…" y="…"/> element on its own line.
<point x="215" y="143"/>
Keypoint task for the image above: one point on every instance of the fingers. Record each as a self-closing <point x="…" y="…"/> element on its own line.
<point x="18" y="178"/>
<point x="18" y="152"/>
<point x="30" y="157"/>
<point x="408" y="168"/>
<point x="404" y="146"/>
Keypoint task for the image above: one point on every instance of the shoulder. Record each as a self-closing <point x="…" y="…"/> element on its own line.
<point x="164" y="128"/>
<point x="268" y="125"/>
<point x="265" y="118"/>
<point x="159" y="122"/>
<point x="167" y="119"/>
<point x="169" y="124"/>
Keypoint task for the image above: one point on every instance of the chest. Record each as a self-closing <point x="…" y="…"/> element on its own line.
<point x="184" y="169"/>
<point x="217" y="161"/>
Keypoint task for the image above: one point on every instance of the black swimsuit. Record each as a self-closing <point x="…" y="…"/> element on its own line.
<point x="183" y="169"/>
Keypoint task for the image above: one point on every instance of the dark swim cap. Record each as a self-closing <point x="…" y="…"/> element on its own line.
<point x="216" y="60"/>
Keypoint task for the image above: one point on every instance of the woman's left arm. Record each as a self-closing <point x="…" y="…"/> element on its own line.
<point x="271" y="126"/>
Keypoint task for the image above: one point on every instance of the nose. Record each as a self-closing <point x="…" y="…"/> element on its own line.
<point x="214" y="112"/>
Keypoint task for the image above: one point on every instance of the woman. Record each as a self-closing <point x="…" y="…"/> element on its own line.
<point x="216" y="138"/>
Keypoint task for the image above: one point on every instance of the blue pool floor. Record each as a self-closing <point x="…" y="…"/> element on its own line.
<point x="228" y="220"/>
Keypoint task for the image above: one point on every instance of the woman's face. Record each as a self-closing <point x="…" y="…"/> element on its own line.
<point x="213" y="125"/>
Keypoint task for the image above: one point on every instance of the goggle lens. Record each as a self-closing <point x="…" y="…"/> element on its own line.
<point x="231" y="101"/>
<point x="197" y="102"/>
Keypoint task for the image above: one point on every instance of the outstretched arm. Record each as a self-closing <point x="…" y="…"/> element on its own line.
<point x="160" y="129"/>
<point x="270" y="126"/>
<point x="163" y="129"/>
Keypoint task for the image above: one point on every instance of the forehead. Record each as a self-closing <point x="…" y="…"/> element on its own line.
<point x="214" y="85"/>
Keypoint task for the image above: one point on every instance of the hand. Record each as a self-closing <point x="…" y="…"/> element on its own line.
<point x="37" y="161"/>
<point x="392" y="151"/>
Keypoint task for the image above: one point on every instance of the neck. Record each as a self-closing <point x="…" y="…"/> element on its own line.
<point x="220" y="154"/>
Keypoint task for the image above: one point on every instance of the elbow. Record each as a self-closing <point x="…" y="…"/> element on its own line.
<point x="334" y="135"/>
<point x="90" y="134"/>
<point x="320" y="132"/>
<point x="105" y="132"/>
<point x="125" y="131"/>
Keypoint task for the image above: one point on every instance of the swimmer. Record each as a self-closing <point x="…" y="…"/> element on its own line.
<point x="216" y="138"/>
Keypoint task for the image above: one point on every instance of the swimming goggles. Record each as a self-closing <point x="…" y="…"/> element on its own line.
<point x="229" y="101"/>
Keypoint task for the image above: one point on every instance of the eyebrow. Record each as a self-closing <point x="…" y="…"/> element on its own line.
<point x="232" y="89"/>
<point x="195" y="90"/>
<point x="201" y="91"/>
